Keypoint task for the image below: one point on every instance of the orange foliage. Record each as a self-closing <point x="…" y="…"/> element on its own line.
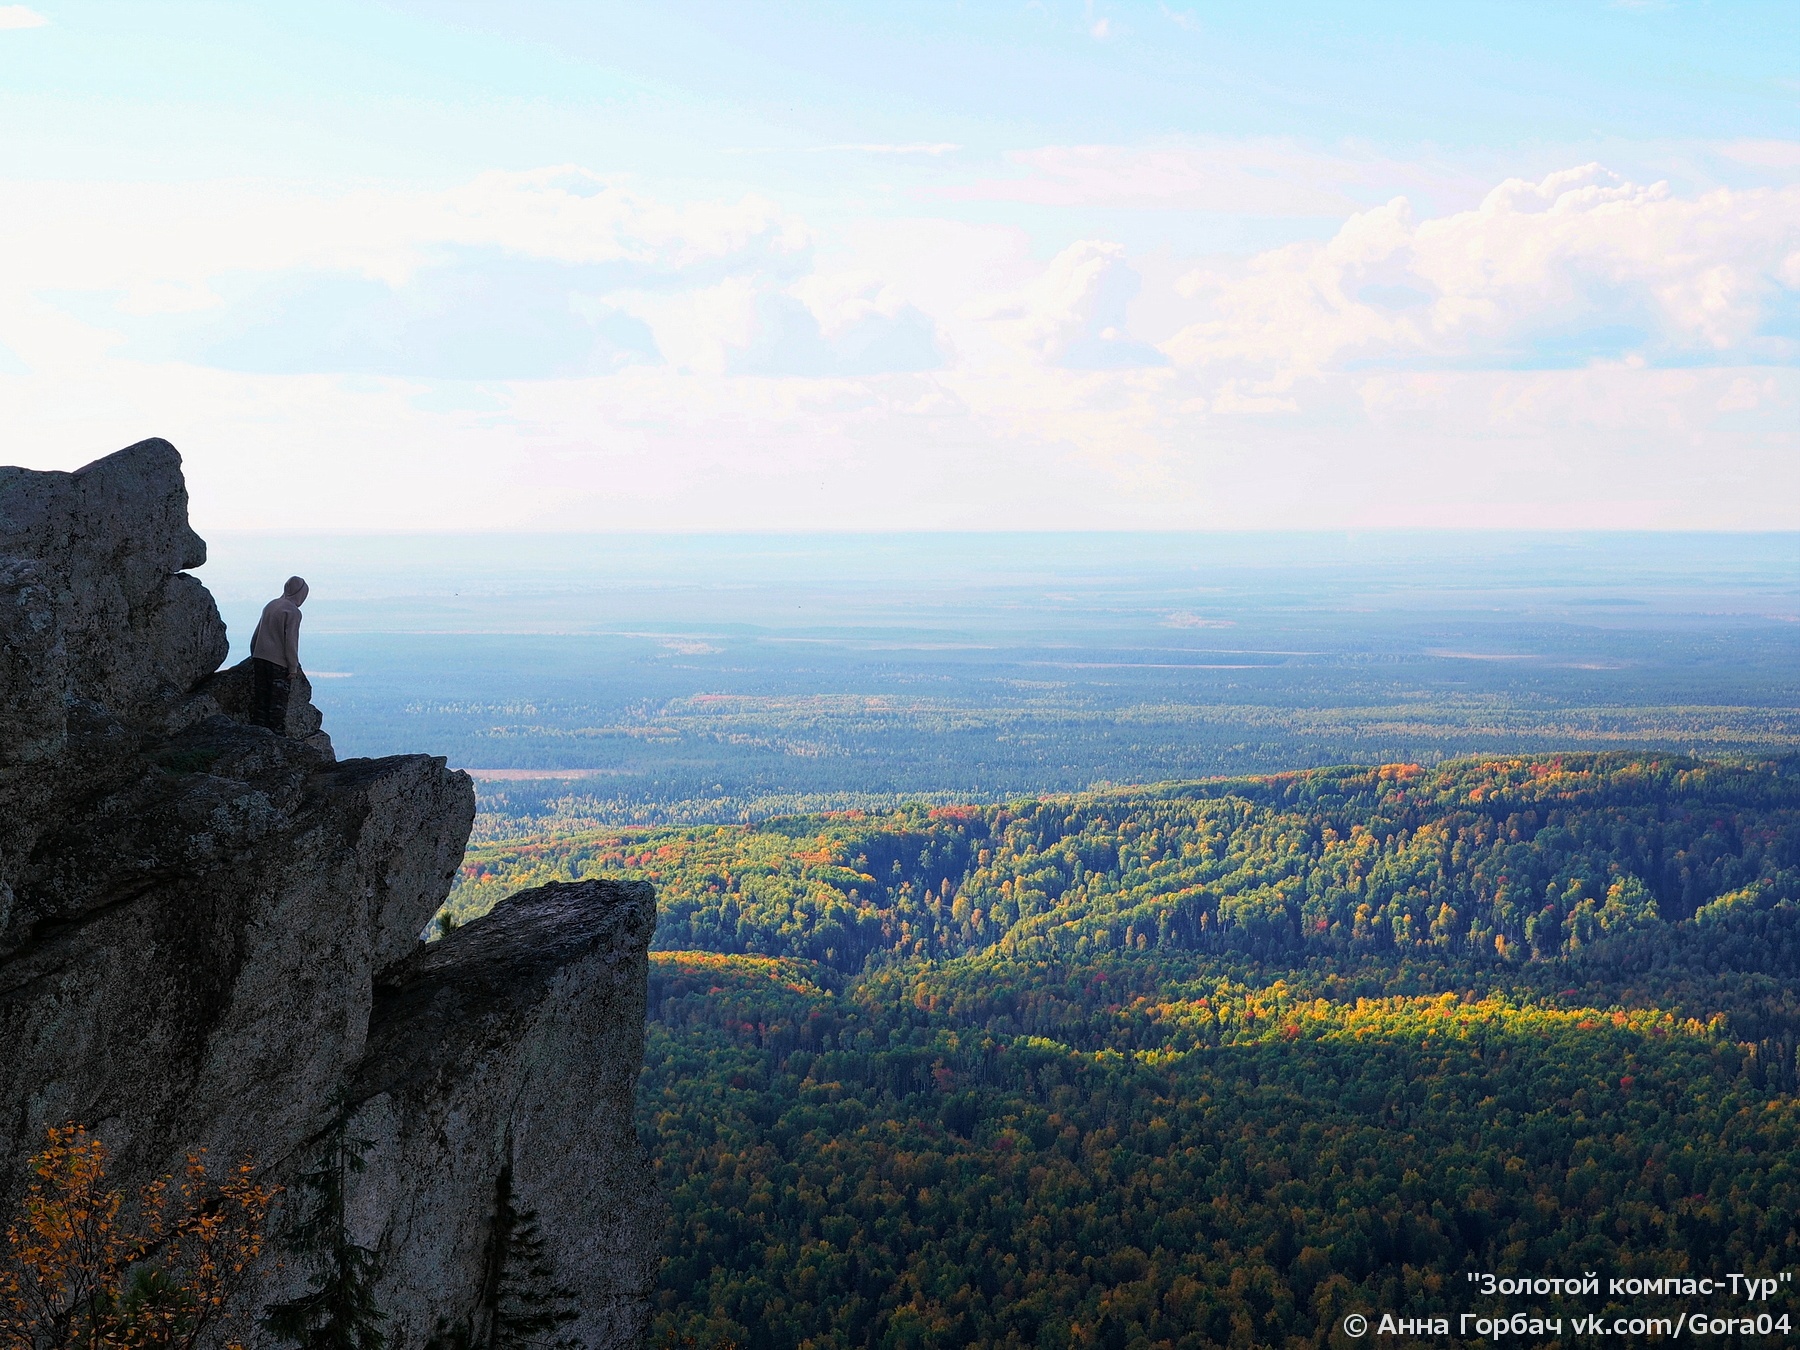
<point x="82" y="1272"/>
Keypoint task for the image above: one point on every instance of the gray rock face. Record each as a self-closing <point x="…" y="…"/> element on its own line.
<point x="111" y="546"/>
<point x="208" y="934"/>
<point x="511" y="1048"/>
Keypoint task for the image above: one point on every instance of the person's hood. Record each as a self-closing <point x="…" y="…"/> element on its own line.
<point x="296" y="589"/>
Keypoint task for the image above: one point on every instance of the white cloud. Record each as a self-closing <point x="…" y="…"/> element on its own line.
<point x="504" y="276"/>
<point x="823" y="325"/>
<point x="1253" y="396"/>
<point x="931" y="149"/>
<point x="919" y="148"/>
<point x="1073" y="314"/>
<point x="915" y="372"/>
<point x="1746" y="393"/>
<point x="110" y="236"/>
<point x="1763" y="154"/>
<point x="1576" y="267"/>
<point x="571" y="215"/>
<point x="21" y="16"/>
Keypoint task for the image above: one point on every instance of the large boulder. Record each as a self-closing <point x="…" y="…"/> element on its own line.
<point x="111" y="547"/>
<point x="233" y="693"/>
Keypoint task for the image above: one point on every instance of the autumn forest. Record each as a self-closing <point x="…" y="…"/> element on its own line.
<point x="1214" y="1063"/>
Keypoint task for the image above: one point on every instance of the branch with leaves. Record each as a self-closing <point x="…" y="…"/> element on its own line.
<point x="82" y="1269"/>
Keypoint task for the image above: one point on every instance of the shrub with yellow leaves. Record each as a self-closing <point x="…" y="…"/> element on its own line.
<point x="83" y="1270"/>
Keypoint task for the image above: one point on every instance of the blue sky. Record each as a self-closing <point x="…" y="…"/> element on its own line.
<point x="678" y="265"/>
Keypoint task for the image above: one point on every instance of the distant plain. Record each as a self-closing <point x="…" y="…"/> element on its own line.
<point x="629" y="678"/>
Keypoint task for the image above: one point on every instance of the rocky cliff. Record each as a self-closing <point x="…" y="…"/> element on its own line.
<point x="208" y="936"/>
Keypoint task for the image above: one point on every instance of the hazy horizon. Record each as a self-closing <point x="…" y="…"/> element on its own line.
<point x="638" y="678"/>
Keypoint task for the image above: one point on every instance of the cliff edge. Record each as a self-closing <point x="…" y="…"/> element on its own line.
<point x="208" y="937"/>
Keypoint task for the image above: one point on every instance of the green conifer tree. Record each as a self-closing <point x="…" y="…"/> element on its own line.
<point x="338" y="1312"/>
<point x="522" y="1303"/>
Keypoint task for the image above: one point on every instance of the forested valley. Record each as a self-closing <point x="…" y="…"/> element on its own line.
<point x="1214" y="1063"/>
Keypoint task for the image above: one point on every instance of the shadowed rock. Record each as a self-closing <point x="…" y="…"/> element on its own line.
<point x="209" y="932"/>
<point x="232" y="692"/>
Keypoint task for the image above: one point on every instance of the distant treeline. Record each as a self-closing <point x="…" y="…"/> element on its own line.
<point x="743" y="757"/>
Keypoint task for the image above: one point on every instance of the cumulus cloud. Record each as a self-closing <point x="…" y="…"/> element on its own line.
<point x="558" y="347"/>
<point x="570" y="215"/>
<point x="552" y="273"/>
<point x="1763" y="154"/>
<point x="108" y="236"/>
<point x="1254" y="396"/>
<point x="751" y="325"/>
<point x="869" y="325"/>
<point x="1074" y="313"/>
<point x="1577" y="267"/>
<point x="475" y="316"/>
<point x="21" y="16"/>
<point x="909" y="148"/>
<point x="509" y="276"/>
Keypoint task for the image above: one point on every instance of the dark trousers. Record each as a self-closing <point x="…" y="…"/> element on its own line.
<point x="271" y="695"/>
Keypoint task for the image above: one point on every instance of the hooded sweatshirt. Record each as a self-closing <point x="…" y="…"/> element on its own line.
<point x="278" y="632"/>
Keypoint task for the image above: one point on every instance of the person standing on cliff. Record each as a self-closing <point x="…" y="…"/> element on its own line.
<point x="275" y="654"/>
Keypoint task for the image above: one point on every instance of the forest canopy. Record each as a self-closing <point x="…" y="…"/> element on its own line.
<point x="1214" y="1063"/>
<point x="1515" y="858"/>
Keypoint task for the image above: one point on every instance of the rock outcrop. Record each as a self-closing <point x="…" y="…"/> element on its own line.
<point x="487" y="1053"/>
<point x="209" y="935"/>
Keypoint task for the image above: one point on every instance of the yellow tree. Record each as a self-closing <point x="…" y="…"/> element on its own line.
<point x="81" y="1272"/>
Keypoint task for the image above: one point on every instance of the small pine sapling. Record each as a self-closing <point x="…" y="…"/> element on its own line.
<point x="339" y="1311"/>
<point x="522" y="1304"/>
